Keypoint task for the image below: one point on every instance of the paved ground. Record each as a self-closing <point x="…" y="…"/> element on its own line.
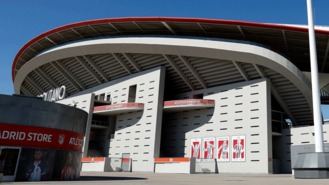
<point x="181" y="179"/>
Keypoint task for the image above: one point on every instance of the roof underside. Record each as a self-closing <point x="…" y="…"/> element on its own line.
<point x="186" y="73"/>
<point x="83" y="72"/>
<point x="289" y="41"/>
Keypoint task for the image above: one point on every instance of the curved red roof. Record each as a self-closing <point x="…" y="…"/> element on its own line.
<point x="173" y="25"/>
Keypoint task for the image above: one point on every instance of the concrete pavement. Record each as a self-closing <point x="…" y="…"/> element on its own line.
<point x="121" y="178"/>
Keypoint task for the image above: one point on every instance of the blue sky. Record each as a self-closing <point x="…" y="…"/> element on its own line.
<point x="21" y="20"/>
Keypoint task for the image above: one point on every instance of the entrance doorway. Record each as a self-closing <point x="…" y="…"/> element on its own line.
<point x="126" y="162"/>
<point x="132" y="93"/>
<point x="9" y="157"/>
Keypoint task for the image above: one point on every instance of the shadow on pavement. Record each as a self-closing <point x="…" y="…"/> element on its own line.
<point x="105" y="178"/>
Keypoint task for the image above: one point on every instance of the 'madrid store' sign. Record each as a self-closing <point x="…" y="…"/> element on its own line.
<point x="54" y="94"/>
<point x="39" y="137"/>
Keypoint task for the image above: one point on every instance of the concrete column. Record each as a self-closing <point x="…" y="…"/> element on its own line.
<point x="88" y="126"/>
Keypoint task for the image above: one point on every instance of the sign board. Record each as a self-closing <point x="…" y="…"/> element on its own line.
<point x="208" y="148"/>
<point x="54" y="94"/>
<point x="39" y="137"/>
<point x="238" y="148"/>
<point x="223" y="149"/>
<point x="196" y="148"/>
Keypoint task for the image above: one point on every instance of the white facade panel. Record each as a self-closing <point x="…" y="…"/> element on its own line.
<point x="84" y="102"/>
<point x="300" y="140"/>
<point x="136" y="133"/>
<point x="181" y="167"/>
<point x="241" y="109"/>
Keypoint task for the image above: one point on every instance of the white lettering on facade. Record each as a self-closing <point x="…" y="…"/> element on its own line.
<point x="30" y="136"/>
<point x="54" y="94"/>
<point x="33" y="136"/>
<point x="12" y="135"/>
<point x="75" y="141"/>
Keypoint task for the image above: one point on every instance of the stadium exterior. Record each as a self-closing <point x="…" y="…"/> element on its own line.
<point x="181" y="94"/>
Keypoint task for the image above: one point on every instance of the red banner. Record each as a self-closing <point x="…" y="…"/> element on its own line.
<point x="39" y="137"/>
<point x="239" y="148"/>
<point x="196" y="148"/>
<point x="223" y="149"/>
<point x="208" y="148"/>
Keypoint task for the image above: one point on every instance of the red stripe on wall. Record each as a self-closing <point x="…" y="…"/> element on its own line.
<point x="92" y="159"/>
<point x="118" y="106"/>
<point x="39" y="137"/>
<point x="171" y="159"/>
<point x="189" y="102"/>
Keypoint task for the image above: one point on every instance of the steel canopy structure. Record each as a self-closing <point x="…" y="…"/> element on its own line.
<point x="291" y="41"/>
<point x="86" y="54"/>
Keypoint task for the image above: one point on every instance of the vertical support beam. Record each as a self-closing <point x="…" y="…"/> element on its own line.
<point x="275" y="93"/>
<point x="318" y="134"/>
<point x="325" y="57"/>
<point x="76" y="32"/>
<point x="268" y="124"/>
<point x="136" y="24"/>
<point x="85" y="146"/>
<point x="203" y="30"/>
<point x="67" y="75"/>
<point x="192" y="70"/>
<point x="131" y="61"/>
<point x="114" y="27"/>
<point x="25" y="91"/>
<point x="50" y="40"/>
<point x="238" y="67"/>
<point x="158" y="120"/>
<point x="124" y="66"/>
<point x="33" y="84"/>
<point x="285" y="39"/>
<point x="46" y="78"/>
<point x="96" y="68"/>
<point x="178" y="71"/>
<point x="94" y="30"/>
<point x="39" y="44"/>
<point x="30" y="48"/>
<point x="60" y="35"/>
<point x="259" y="71"/>
<point x="88" y="70"/>
<point x="169" y="28"/>
<point x="241" y="31"/>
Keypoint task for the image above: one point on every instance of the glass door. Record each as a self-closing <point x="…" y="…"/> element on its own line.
<point x="9" y="157"/>
<point x="126" y="162"/>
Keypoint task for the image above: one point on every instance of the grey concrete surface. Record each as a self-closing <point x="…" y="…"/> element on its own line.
<point x="32" y="111"/>
<point x="313" y="165"/>
<point x="122" y="178"/>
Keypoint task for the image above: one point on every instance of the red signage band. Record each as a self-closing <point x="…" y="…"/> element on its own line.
<point x="189" y="102"/>
<point x="92" y="159"/>
<point x="118" y="106"/>
<point x="39" y="137"/>
<point x="171" y="159"/>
